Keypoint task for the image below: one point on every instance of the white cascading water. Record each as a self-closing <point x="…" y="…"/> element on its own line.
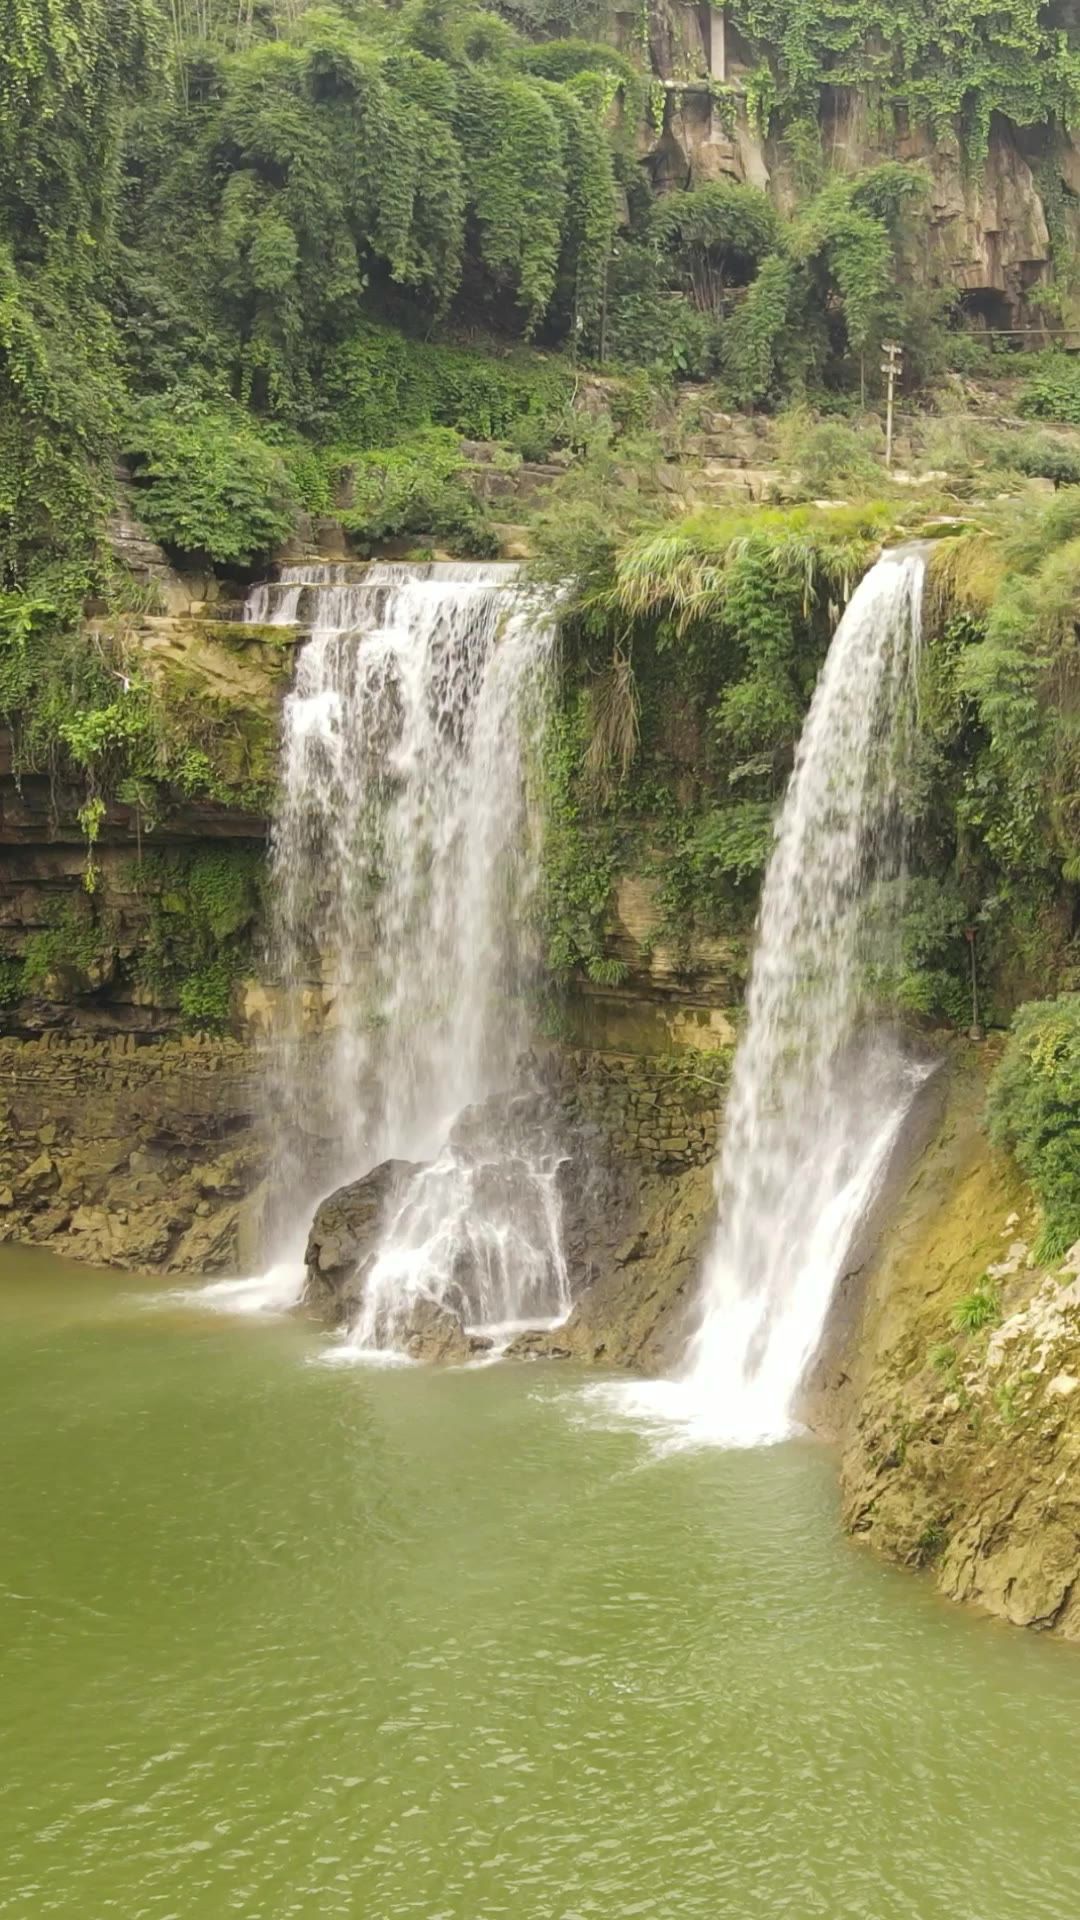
<point x="403" y="859"/>
<point x="819" y="1091"/>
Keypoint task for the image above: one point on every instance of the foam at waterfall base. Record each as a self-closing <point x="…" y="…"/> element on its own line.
<point x="278" y="1290"/>
<point x="478" y="1233"/>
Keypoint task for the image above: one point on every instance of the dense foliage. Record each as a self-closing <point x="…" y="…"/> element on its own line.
<point x="944" y="62"/>
<point x="285" y="257"/>
<point x="199" y="205"/>
<point x="1034" y="1108"/>
<point x="688" y="666"/>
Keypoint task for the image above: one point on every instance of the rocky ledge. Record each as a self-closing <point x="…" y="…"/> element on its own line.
<point x="130" y="1154"/>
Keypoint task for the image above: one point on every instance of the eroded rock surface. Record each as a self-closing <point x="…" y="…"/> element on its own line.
<point x="962" y="1449"/>
<point x="633" y="1219"/>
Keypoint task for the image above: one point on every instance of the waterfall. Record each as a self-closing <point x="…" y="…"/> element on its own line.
<point x="820" y="1090"/>
<point x="402" y="862"/>
<point x="819" y="1093"/>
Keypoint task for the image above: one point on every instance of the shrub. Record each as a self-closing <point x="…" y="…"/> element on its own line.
<point x="716" y="236"/>
<point x="202" y="909"/>
<point x="206" y="997"/>
<point x="978" y="1309"/>
<point x="1042" y="457"/>
<point x="415" y="489"/>
<point x="1034" y="1109"/>
<point x="1053" y="392"/>
<point x="381" y="386"/>
<point x="831" y="458"/>
<point x="208" y="485"/>
<point x="648" y="326"/>
<point x="967" y="353"/>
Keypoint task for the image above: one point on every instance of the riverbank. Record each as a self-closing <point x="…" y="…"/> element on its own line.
<point x="959" y="1449"/>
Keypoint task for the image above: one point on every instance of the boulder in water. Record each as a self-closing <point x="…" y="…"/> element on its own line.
<point x="434" y="1333"/>
<point x="345" y="1235"/>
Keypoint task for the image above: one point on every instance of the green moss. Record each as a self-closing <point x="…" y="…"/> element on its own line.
<point x="203" y="911"/>
<point x="12" y="980"/>
<point x="73" y="943"/>
<point x="1033" y="1109"/>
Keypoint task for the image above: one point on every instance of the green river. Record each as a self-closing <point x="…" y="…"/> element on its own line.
<point x="283" y="1638"/>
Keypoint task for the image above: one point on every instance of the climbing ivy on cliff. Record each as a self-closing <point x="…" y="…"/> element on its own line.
<point x="66" y="73"/>
<point x="407" y="163"/>
<point x="946" y="64"/>
<point x="1034" y="1109"/>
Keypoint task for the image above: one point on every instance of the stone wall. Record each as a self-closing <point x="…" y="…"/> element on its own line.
<point x="129" y="1154"/>
<point x="662" y="1110"/>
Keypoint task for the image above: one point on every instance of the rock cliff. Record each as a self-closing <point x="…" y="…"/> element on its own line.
<point x="960" y="1412"/>
<point x="986" y="231"/>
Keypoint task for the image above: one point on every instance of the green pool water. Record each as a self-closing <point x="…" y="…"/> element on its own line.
<point x="281" y="1638"/>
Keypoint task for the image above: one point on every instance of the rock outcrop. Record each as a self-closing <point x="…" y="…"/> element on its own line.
<point x="636" y="1272"/>
<point x="985" y="231"/>
<point x="631" y="1177"/>
<point x="961" y="1448"/>
<point x="341" y="1249"/>
<point x="345" y="1236"/>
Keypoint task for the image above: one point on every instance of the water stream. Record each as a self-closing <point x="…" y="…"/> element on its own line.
<point x="404" y="855"/>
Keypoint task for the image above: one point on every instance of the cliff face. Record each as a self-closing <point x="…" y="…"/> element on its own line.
<point x="94" y="926"/>
<point x="984" y="231"/>
<point x="961" y="1440"/>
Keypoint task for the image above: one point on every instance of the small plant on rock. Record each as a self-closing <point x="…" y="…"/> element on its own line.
<point x="978" y="1309"/>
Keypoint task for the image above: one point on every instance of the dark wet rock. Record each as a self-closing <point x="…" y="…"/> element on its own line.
<point x="345" y="1235"/>
<point x="433" y="1333"/>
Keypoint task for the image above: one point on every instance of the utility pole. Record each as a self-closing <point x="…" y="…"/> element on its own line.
<point x="891" y="368"/>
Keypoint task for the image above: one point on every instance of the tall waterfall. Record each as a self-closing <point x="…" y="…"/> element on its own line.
<point x="403" y="859"/>
<point x="819" y="1093"/>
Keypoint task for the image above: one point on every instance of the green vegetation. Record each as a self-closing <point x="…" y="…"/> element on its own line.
<point x="1034" y="1109"/>
<point x="209" y="487"/>
<point x="202" y="909"/>
<point x="1052" y="391"/>
<point x="286" y="259"/>
<point x="80" y="703"/>
<point x="411" y="489"/>
<point x="690" y="654"/>
<point x="720" y="283"/>
<point x="943" y="63"/>
<point x="196" y="915"/>
<point x="689" y="660"/>
<point x="978" y="1309"/>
